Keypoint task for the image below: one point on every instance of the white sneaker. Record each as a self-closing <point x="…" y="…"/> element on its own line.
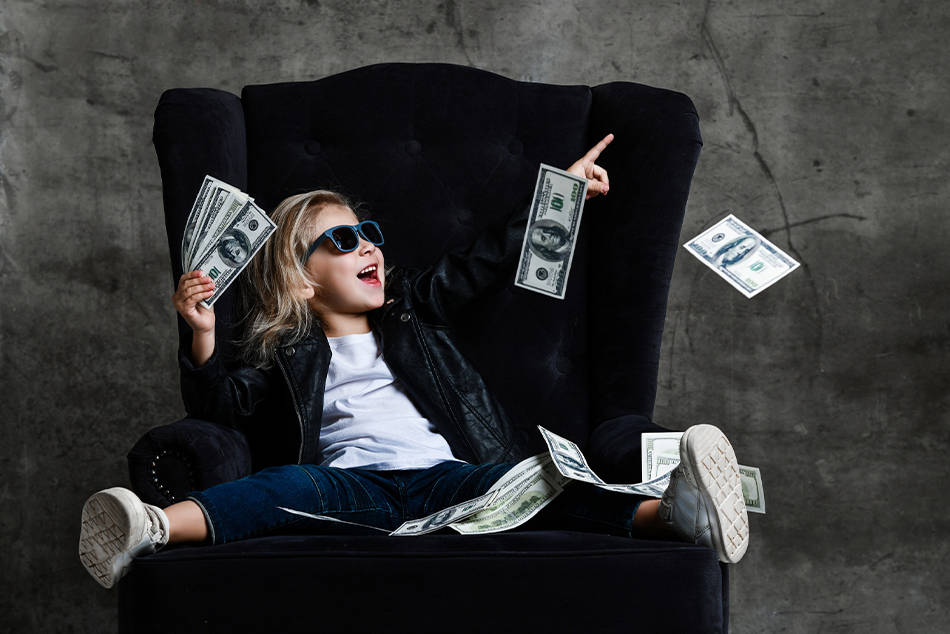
<point x="704" y="502"/>
<point x="116" y="528"/>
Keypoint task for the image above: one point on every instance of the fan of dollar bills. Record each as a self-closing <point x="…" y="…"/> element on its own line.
<point x="224" y="231"/>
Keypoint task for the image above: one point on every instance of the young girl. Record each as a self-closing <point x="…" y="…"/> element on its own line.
<point x="352" y="379"/>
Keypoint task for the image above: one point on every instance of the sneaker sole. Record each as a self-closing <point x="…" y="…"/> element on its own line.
<point x="108" y="529"/>
<point x="712" y="461"/>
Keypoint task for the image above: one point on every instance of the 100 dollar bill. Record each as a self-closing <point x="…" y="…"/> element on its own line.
<point x="446" y="516"/>
<point x="212" y="195"/>
<point x="569" y="459"/>
<point x="553" y="223"/>
<point x="660" y="452"/>
<point x="520" y="497"/>
<point x="752" y="489"/>
<point x="232" y="252"/>
<point x="741" y="256"/>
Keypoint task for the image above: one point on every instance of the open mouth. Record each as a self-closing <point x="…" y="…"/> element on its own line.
<point x="368" y="274"/>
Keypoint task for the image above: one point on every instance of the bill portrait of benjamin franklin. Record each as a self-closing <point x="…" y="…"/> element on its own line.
<point x="439" y="517"/>
<point x="234" y="248"/>
<point x="736" y="250"/>
<point x="549" y="240"/>
<point x="571" y="462"/>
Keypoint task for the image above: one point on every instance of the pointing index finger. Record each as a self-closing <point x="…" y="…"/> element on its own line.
<point x="597" y="149"/>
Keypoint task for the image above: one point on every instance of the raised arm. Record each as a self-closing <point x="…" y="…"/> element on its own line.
<point x="463" y="276"/>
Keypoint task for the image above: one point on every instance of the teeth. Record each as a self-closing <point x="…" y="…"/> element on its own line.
<point x="371" y="267"/>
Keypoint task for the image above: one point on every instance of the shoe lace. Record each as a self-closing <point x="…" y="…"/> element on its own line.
<point x="158" y="529"/>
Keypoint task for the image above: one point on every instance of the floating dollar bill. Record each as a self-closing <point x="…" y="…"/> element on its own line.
<point x="553" y="222"/>
<point x="232" y="252"/>
<point x="741" y="256"/>
<point x="327" y="518"/>
<point x="519" y="499"/>
<point x="752" y="489"/>
<point x="446" y="516"/>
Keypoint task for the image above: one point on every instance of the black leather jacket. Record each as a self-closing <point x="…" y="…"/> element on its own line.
<point x="280" y="408"/>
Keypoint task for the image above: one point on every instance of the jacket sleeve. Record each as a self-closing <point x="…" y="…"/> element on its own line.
<point x="462" y="276"/>
<point x="213" y="393"/>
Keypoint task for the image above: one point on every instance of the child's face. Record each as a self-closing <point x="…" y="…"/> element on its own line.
<point x="348" y="283"/>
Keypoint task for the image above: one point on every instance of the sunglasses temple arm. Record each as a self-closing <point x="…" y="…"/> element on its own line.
<point x="313" y="247"/>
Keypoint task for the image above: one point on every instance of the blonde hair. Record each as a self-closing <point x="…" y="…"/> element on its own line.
<point x="274" y="312"/>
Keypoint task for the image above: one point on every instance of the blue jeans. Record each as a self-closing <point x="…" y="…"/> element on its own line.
<point x="385" y="499"/>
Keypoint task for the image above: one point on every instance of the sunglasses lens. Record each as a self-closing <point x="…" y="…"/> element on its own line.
<point x="345" y="238"/>
<point x="371" y="232"/>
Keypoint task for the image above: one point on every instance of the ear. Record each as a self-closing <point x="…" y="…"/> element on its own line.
<point x="306" y="291"/>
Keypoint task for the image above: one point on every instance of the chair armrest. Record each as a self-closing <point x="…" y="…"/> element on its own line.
<point x="171" y="461"/>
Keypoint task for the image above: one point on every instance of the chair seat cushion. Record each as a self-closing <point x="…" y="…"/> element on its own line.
<point x="540" y="581"/>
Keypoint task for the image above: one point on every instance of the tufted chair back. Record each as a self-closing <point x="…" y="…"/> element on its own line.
<point x="435" y="153"/>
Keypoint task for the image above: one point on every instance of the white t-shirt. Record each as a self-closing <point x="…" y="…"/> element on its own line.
<point x="368" y="420"/>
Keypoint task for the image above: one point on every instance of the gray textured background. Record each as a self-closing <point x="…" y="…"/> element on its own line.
<point x="825" y="127"/>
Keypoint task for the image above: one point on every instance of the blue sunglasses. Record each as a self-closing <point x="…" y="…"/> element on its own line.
<point x="347" y="237"/>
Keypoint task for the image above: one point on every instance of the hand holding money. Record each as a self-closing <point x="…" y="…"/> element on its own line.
<point x="192" y="288"/>
<point x="554" y="221"/>
<point x="225" y="229"/>
<point x="223" y="232"/>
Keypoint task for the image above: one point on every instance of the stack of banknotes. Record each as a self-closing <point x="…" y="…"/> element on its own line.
<point x="224" y="231"/>
<point x="533" y="483"/>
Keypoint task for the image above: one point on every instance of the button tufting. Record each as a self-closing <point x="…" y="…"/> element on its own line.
<point x="563" y="365"/>
<point x="515" y="147"/>
<point x="464" y="217"/>
<point x="413" y="147"/>
<point x="404" y="317"/>
<point x="312" y="147"/>
<point x="291" y="351"/>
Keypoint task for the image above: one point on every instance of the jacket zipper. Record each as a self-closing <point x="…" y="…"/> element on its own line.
<point x="293" y="397"/>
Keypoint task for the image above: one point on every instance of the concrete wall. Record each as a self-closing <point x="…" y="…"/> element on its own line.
<point x="825" y="128"/>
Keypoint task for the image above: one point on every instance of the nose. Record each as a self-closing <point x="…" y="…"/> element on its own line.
<point x="366" y="247"/>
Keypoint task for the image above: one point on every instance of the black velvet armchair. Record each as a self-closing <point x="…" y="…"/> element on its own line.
<point x="435" y="153"/>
